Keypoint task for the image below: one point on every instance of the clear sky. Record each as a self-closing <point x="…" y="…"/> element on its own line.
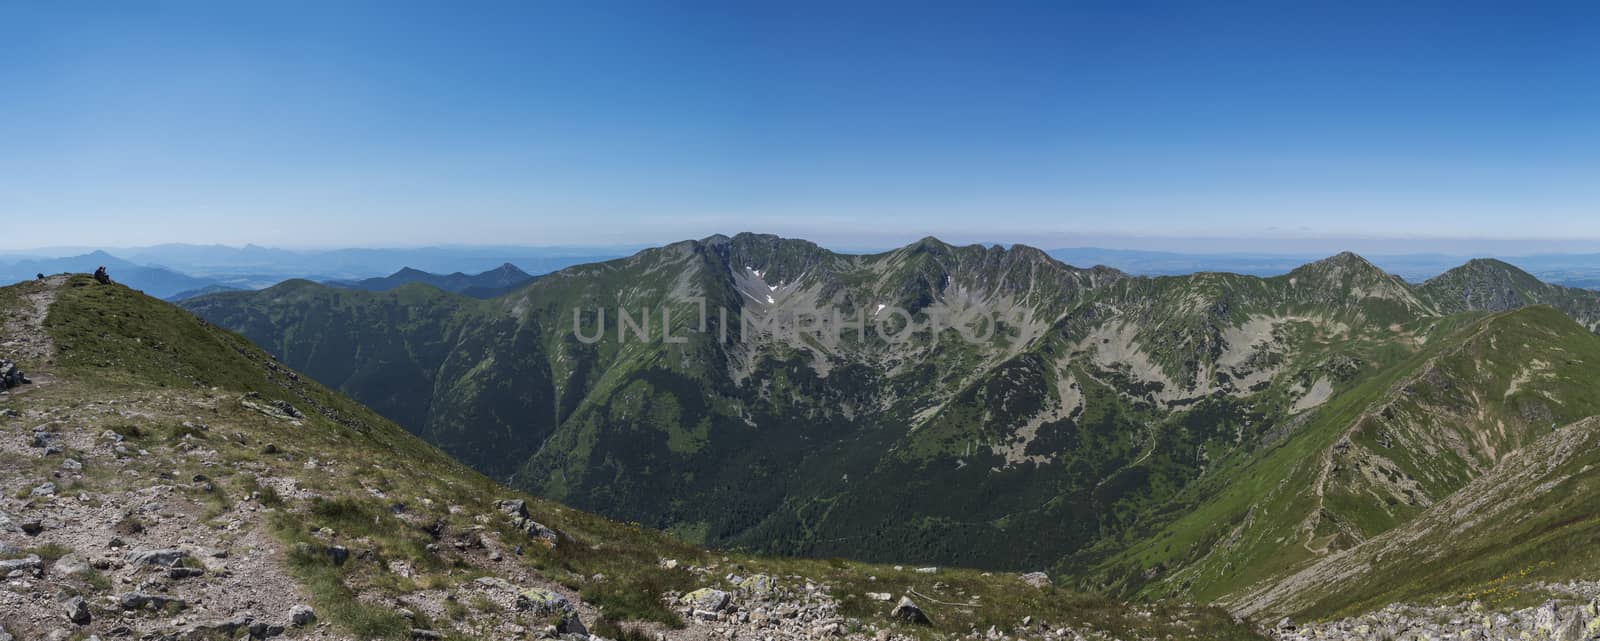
<point x="871" y="123"/>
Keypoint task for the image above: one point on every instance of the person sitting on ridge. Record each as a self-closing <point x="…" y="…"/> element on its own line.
<point x="101" y="277"/>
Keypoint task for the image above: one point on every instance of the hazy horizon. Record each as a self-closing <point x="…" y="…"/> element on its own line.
<point x="1275" y="247"/>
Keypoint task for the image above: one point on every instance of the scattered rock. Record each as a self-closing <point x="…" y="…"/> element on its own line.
<point x="908" y="611"/>
<point x="227" y="628"/>
<point x="286" y="409"/>
<point x="547" y="604"/>
<point x="170" y="557"/>
<point x="11" y="376"/>
<point x="708" y="599"/>
<point x="536" y="530"/>
<point x="542" y="602"/>
<point x="759" y="586"/>
<point x="495" y="583"/>
<point x="30" y="562"/>
<point x="264" y="630"/>
<point x="302" y="615"/>
<point x="70" y="565"/>
<point x="1550" y="621"/>
<point x="142" y="601"/>
<point x="76" y="610"/>
<point x="514" y="508"/>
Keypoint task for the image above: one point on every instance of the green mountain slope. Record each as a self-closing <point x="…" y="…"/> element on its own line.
<point x="1379" y="456"/>
<point x="166" y="478"/>
<point x="1175" y="435"/>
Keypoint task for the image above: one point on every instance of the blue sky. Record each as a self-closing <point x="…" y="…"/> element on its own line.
<point x="1062" y="123"/>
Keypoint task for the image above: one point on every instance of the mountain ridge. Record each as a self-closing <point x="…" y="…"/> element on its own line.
<point x="199" y="489"/>
<point x="1103" y="407"/>
<point x="487" y="284"/>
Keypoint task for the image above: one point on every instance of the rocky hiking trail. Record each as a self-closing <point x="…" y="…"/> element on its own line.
<point x="23" y="337"/>
<point x="109" y="537"/>
<point x="24" y="343"/>
<point x="113" y="530"/>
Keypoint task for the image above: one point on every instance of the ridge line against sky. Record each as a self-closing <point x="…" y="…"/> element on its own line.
<point x="1162" y="125"/>
<point x="1280" y="248"/>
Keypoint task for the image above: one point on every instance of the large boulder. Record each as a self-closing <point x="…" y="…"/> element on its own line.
<point x="338" y="554"/>
<point x="12" y="376"/>
<point x="225" y="629"/>
<point x="302" y="615"/>
<point x="76" y="610"/>
<point x="908" y="611"/>
<point x="536" y="530"/>
<point x="70" y="565"/>
<point x="169" y="557"/>
<point x="514" y="508"/>
<point x="145" y="601"/>
<point x="760" y="586"/>
<point x="547" y="604"/>
<point x="27" y="563"/>
<point x="708" y="599"/>
<point x="1036" y="579"/>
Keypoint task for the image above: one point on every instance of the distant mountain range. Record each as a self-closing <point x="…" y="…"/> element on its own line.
<point x="253" y="266"/>
<point x="155" y="281"/>
<point x="178" y="272"/>
<point x="1572" y="270"/>
<point x="488" y="284"/>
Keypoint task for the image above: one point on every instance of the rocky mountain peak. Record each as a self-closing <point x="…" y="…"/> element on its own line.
<point x="1481" y="269"/>
<point x="1342" y="263"/>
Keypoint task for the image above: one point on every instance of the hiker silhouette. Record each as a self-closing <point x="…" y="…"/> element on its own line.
<point x="101" y="276"/>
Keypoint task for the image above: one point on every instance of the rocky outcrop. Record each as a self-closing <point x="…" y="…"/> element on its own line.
<point x="12" y="376"/>
<point x="548" y="604"/>
<point x="517" y="511"/>
<point x="907" y="611"/>
<point x="1036" y="579"/>
<point x="1574" y="616"/>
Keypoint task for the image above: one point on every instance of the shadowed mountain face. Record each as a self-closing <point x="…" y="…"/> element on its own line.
<point x="1125" y="428"/>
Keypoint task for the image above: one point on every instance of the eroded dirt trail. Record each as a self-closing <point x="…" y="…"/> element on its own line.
<point x="22" y="334"/>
